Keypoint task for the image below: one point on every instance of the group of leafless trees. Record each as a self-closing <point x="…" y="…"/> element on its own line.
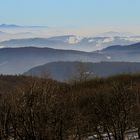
<point x="43" y="109"/>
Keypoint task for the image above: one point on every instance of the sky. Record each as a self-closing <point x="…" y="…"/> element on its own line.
<point x="75" y="14"/>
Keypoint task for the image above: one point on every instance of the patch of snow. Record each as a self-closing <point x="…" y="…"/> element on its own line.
<point x="108" y="57"/>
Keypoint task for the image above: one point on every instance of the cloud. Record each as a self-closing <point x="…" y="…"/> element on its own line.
<point x="91" y="40"/>
<point x="132" y="39"/>
<point x="74" y="40"/>
<point x="107" y="40"/>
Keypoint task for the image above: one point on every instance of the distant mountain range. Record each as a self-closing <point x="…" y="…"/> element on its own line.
<point x="12" y="35"/>
<point x="21" y="50"/>
<point x="72" y="42"/>
<point x="20" y="60"/>
<point x="9" y="26"/>
<point x="19" y="26"/>
<point x="133" y="47"/>
<point x="62" y="71"/>
<point x="116" y="34"/>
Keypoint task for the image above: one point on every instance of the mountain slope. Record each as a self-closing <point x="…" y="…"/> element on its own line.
<point x="133" y="47"/>
<point x="68" y="70"/>
<point x="19" y="60"/>
<point x="129" y="53"/>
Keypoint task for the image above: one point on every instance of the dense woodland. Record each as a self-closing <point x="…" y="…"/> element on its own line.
<point x="42" y="109"/>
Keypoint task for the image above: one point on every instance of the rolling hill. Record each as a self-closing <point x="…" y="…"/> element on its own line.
<point x="19" y="60"/>
<point x="67" y="70"/>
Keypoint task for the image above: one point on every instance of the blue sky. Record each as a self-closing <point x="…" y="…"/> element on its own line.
<point x="71" y="13"/>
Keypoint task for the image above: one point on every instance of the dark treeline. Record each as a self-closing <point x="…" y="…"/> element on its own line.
<point x="40" y="109"/>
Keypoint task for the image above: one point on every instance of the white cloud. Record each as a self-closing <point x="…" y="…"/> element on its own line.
<point x="107" y="40"/>
<point x="74" y="40"/>
<point x="91" y="40"/>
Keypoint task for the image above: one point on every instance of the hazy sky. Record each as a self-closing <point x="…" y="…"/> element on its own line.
<point x="72" y="13"/>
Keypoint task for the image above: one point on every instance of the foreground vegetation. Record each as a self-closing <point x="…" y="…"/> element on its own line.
<point x="43" y="109"/>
